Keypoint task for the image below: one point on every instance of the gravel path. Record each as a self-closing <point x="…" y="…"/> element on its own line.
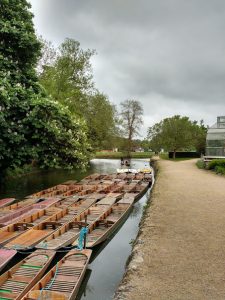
<point x="180" y="251"/>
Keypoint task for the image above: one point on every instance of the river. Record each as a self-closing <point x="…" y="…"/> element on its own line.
<point x="108" y="262"/>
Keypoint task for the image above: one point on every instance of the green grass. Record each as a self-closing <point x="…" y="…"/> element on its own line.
<point x="117" y="155"/>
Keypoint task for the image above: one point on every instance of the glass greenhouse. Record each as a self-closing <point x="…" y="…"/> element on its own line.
<point x="215" y="139"/>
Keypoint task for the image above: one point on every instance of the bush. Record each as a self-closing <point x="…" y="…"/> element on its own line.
<point x="200" y="164"/>
<point x="220" y="170"/>
<point x="216" y="163"/>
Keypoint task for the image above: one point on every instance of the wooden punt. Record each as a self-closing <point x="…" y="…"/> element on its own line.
<point x="5" y="256"/>
<point x="94" y="176"/>
<point x="21" y="213"/>
<point x="62" y="282"/>
<point x="47" y="202"/>
<point x="141" y="188"/>
<point x="62" y="237"/>
<point x="16" y="282"/>
<point x="15" y="216"/>
<point x="102" y="229"/>
<point x="68" y="201"/>
<point x="33" y="236"/>
<point x="6" y="201"/>
<point x="58" y="192"/>
<point x="79" y="190"/>
<point x="55" y="190"/>
<point x="38" y="232"/>
<point x="99" y="209"/>
<point x="44" y="192"/>
<point x="41" y="215"/>
<point x="10" y="232"/>
<point x="17" y="205"/>
<point x="69" y="232"/>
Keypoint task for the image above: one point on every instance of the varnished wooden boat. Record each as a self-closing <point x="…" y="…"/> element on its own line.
<point x="33" y="236"/>
<point x="6" y="201"/>
<point x="98" y="210"/>
<point x="68" y="233"/>
<point x="107" y="223"/>
<point x="47" y="202"/>
<point x="14" y="216"/>
<point x="65" y="202"/>
<point x="104" y="228"/>
<point x="12" y="231"/>
<point x="16" y="282"/>
<point x="40" y="231"/>
<point x="141" y="188"/>
<point x="41" y="215"/>
<point x="56" y="189"/>
<point x="17" y="205"/>
<point x="62" y="237"/>
<point x="5" y="256"/>
<point x="45" y="192"/>
<point x="62" y="282"/>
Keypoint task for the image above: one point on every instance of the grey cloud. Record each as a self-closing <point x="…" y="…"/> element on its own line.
<point x="168" y="54"/>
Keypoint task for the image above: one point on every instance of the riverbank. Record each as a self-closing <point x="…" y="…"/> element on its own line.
<point x="180" y="249"/>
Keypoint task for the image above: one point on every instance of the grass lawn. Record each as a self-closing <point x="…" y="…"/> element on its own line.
<point x="118" y="155"/>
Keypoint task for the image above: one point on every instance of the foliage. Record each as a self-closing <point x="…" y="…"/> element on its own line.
<point x="145" y="144"/>
<point x="131" y="120"/>
<point x="100" y="116"/>
<point x="216" y="163"/>
<point x="176" y="133"/>
<point x="200" y="164"/>
<point x="32" y="126"/>
<point x="67" y="77"/>
<point x="199" y="136"/>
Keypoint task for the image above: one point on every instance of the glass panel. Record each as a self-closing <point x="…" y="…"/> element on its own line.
<point x="215" y="143"/>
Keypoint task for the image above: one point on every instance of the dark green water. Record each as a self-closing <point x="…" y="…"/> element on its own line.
<point x="108" y="262"/>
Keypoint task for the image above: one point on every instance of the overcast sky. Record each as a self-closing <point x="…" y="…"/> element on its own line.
<point x="168" y="54"/>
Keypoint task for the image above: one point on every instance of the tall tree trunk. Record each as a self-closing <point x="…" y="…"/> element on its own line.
<point x="174" y="153"/>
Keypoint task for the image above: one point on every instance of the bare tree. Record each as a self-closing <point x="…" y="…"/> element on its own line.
<point x="131" y="113"/>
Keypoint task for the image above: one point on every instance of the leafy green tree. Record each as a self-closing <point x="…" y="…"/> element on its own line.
<point x="131" y="120"/>
<point x="69" y="78"/>
<point x="199" y="136"/>
<point x="175" y="133"/>
<point x="32" y="126"/>
<point x="100" y="117"/>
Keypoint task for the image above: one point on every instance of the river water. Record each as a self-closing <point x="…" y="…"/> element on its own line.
<point x="108" y="261"/>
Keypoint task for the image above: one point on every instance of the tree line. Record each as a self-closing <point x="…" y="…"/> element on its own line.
<point x="51" y="112"/>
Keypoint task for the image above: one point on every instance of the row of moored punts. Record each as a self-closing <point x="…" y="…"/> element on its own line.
<point x="52" y="220"/>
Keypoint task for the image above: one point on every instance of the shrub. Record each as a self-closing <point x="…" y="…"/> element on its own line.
<point x="216" y="163"/>
<point x="200" y="164"/>
<point x="220" y="170"/>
